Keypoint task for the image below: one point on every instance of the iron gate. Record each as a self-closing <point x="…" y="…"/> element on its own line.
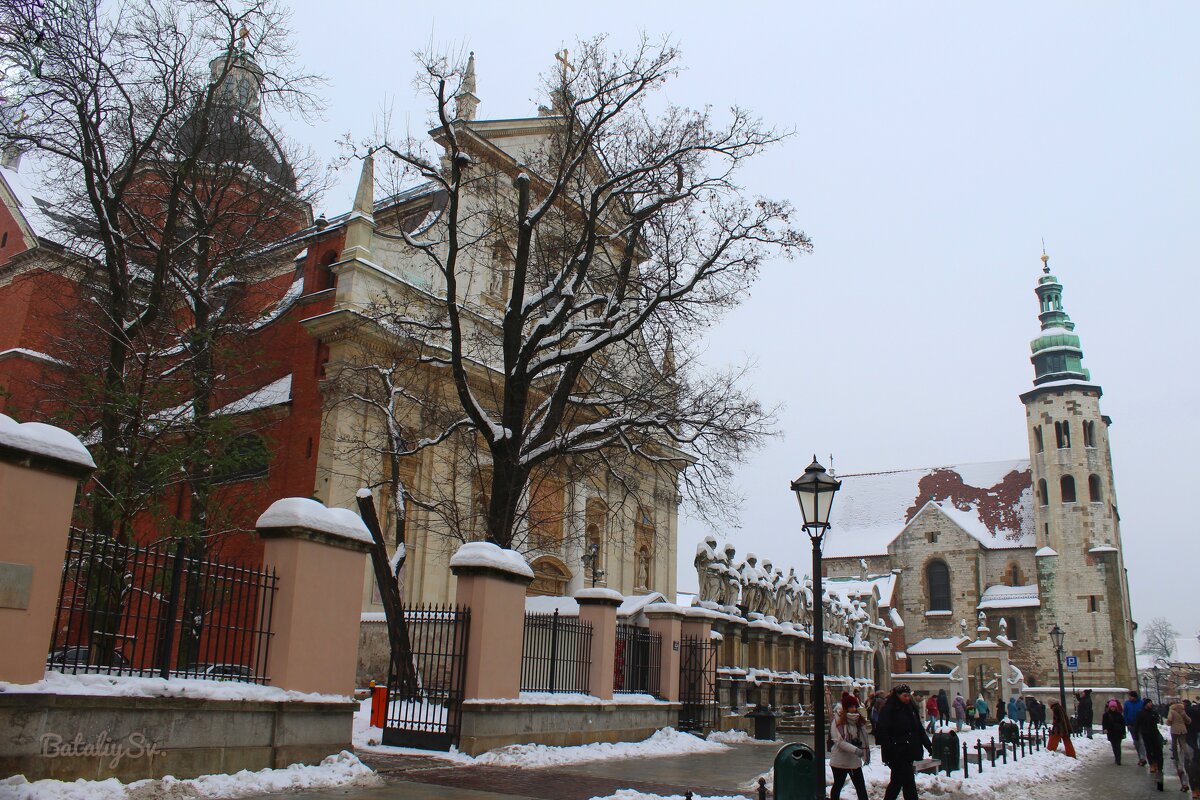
<point x="431" y="717"/>
<point x="698" y="685"/>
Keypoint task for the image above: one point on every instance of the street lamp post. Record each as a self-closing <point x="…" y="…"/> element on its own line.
<point x="1057" y="635"/>
<point x="591" y="560"/>
<point x="1157" y="686"/>
<point x="814" y="491"/>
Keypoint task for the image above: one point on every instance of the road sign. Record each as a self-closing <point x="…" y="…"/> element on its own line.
<point x="1072" y="663"/>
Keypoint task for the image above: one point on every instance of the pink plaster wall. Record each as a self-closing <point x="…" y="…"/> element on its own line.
<point x="495" y="637"/>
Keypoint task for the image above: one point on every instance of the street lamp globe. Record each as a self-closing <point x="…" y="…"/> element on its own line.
<point x="1057" y="635"/>
<point x="814" y="491"/>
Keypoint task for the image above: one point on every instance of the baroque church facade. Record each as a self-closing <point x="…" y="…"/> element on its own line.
<point x="961" y="552"/>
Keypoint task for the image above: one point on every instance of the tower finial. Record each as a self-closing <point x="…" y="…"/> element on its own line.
<point x="466" y="102"/>
<point x="1045" y="258"/>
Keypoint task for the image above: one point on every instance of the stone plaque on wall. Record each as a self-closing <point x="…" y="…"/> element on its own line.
<point x="16" y="580"/>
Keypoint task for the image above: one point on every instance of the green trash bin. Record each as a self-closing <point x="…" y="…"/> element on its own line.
<point x="795" y="772"/>
<point x="946" y="749"/>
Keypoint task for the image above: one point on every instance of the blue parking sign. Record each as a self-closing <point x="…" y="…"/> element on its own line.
<point x="1072" y="663"/>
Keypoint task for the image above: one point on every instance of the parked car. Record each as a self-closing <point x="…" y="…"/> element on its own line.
<point x="78" y="659"/>
<point x="219" y="672"/>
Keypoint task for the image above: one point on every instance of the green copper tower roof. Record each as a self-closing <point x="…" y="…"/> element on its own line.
<point x="1057" y="355"/>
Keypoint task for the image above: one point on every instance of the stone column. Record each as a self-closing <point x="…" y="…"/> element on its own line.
<point x="40" y="470"/>
<point x="667" y="621"/>
<point x="319" y="555"/>
<point x="492" y="583"/>
<point x="599" y="607"/>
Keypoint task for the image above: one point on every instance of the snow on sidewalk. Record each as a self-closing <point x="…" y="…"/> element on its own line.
<point x="96" y="685"/>
<point x="996" y="783"/>
<point x="339" y="771"/>
<point x="630" y="794"/>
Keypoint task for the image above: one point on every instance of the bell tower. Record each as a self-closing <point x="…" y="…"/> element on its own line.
<point x="1080" y="564"/>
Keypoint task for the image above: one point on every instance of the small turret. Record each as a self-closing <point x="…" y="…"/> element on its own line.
<point x="466" y="101"/>
<point x="1057" y="354"/>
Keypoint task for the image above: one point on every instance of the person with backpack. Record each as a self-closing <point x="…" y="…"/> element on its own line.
<point x="850" y="750"/>
<point x="902" y="741"/>
<point x="1113" y="725"/>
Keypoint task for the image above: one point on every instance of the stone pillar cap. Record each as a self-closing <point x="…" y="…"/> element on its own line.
<point x="306" y="513"/>
<point x="489" y="557"/>
<point x="663" y="610"/>
<point x="43" y="446"/>
<point x="595" y="596"/>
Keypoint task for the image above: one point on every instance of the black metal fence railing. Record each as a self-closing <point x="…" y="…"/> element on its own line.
<point x="698" y="685"/>
<point x="636" y="662"/>
<point x="432" y="717"/>
<point x="161" y="609"/>
<point x="556" y="654"/>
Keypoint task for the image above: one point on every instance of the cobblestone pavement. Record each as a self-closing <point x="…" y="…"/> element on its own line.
<point x="1101" y="779"/>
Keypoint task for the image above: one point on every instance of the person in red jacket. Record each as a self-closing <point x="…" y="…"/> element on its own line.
<point x="931" y="712"/>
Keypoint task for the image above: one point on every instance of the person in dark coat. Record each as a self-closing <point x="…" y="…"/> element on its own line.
<point x="943" y="701"/>
<point x="902" y="740"/>
<point x="1113" y="725"/>
<point x="1001" y="711"/>
<point x="1147" y="723"/>
<point x="1084" y="712"/>
<point x="1037" y="714"/>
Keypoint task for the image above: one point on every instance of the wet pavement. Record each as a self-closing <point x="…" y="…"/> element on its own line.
<point x="1101" y="779"/>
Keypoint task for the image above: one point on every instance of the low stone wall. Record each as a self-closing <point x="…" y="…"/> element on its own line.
<point x="488" y="725"/>
<point x="130" y="738"/>
<point x="374" y="653"/>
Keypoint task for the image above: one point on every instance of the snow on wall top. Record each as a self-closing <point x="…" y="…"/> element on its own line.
<point x="855" y="587"/>
<point x="487" y="554"/>
<point x="992" y="501"/>
<point x="1010" y="597"/>
<point x="304" y="512"/>
<point x="933" y="646"/>
<point x="44" y="440"/>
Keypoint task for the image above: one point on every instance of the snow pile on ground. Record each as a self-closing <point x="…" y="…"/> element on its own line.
<point x="735" y="737"/>
<point x="631" y="794"/>
<point x="996" y="783"/>
<point x="666" y="742"/>
<point x="133" y="686"/>
<point x="338" y="771"/>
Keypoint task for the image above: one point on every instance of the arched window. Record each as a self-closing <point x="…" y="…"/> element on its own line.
<point x="937" y="575"/>
<point x="325" y="277"/>
<point x="1043" y="494"/>
<point x="1012" y="575"/>
<point x="1067" y="487"/>
<point x="1013" y="629"/>
<point x="1062" y="434"/>
<point x="550" y="577"/>
<point x="1037" y="438"/>
<point x="1089" y="433"/>
<point x="1094" y="493"/>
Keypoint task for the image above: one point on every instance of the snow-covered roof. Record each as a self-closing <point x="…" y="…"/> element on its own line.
<point x="1010" y="597"/>
<point x="273" y="394"/>
<point x="857" y="587"/>
<point x="1046" y="551"/>
<point x="931" y="647"/>
<point x="992" y="502"/>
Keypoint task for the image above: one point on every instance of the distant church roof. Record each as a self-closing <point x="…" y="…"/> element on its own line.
<point x="991" y="501"/>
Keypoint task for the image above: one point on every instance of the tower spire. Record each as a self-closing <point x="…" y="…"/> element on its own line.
<point x="466" y="101"/>
<point x="361" y="225"/>
<point x="1057" y="354"/>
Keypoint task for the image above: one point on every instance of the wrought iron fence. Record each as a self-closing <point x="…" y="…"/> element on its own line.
<point x="161" y="609"/>
<point x="698" y="684"/>
<point x="556" y="654"/>
<point x="429" y="715"/>
<point x="636" y="662"/>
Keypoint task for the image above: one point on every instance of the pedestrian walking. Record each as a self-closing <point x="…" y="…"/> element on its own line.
<point x="851" y="750"/>
<point x="1178" y="721"/>
<point x="1132" y="706"/>
<point x="960" y="710"/>
<point x="1000" y="711"/>
<point x="1147" y="722"/>
<point x="981" y="711"/>
<point x="1037" y="713"/>
<point x="1193" y="741"/>
<point x="1084" y="711"/>
<point x="931" y="712"/>
<point x="1060" y="729"/>
<point x="902" y="741"/>
<point x="1016" y="710"/>
<point x="1113" y="725"/>
<point x="943" y="704"/>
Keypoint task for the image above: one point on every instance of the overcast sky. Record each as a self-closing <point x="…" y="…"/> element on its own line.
<point x="936" y="145"/>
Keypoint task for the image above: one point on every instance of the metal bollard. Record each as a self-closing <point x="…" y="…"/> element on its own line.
<point x="1022" y="747"/>
<point x="1004" y="751"/>
<point x="762" y="789"/>
<point x="992" y="753"/>
<point x="979" y="754"/>
<point x="965" y="773"/>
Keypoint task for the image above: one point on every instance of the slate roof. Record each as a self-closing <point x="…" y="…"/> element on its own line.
<point x="991" y="501"/>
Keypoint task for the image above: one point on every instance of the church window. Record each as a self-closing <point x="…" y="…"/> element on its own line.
<point x="1043" y="494"/>
<point x="546" y="513"/>
<point x="1094" y="493"/>
<point x="1014" y="575"/>
<point x="932" y="537"/>
<point x="1093" y="603"/>
<point x="550" y="577"/>
<point x="4" y="239"/>
<point x="1037" y="438"/>
<point x="1089" y="433"/>
<point x="1013" y="627"/>
<point x="937" y="575"/>
<point x="1067" y="487"/>
<point x="1062" y="434"/>
<point x="244" y="457"/>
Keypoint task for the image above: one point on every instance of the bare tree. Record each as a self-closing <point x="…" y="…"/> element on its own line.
<point x="1158" y="639"/>
<point x="570" y="283"/>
